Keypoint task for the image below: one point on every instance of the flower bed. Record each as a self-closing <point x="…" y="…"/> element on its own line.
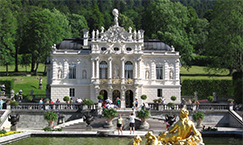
<point x="3" y="132"/>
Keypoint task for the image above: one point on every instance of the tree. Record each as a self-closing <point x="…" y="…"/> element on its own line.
<point x="168" y="22"/>
<point x="41" y="32"/>
<point x="77" y="23"/>
<point x="225" y="42"/>
<point x="125" y="22"/>
<point x="96" y="19"/>
<point x="8" y="26"/>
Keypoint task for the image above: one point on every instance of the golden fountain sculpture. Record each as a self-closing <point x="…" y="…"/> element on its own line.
<point x="183" y="132"/>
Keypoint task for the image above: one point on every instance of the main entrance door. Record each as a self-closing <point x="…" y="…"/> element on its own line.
<point x="104" y="94"/>
<point x="129" y="98"/>
<point x="115" y="94"/>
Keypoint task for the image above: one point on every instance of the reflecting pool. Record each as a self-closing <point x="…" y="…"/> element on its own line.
<point x="111" y="141"/>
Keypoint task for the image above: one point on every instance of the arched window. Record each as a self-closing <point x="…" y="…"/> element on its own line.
<point x="72" y="71"/>
<point x="128" y="70"/>
<point x="116" y="49"/>
<point x="103" y="70"/>
<point x="129" y="49"/>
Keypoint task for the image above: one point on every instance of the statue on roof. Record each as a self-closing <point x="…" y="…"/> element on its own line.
<point x="115" y="13"/>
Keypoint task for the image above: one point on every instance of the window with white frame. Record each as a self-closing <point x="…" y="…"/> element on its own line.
<point x="128" y="70"/>
<point x="72" y="92"/>
<point x="159" y="71"/>
<point x="72" y="71"/>
<point x="159" y="92"/>
<point x="103" y="70"/>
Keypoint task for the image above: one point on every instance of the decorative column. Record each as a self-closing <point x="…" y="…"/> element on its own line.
<point x="54" y="69"/>
<point x="177" y="71"/>
<point x="153" y="71"/>
<point x="135" y="69"/>
<point x="97" y="68"/>
<point x="123" y="103"/>
<point x="110" y="70"/>
<point x="123" y="70"/>
<point x="139" y="68"/>
<point x="93" y="68"/>
<point x="65" y="69"/>
<point x="166" y="70"/>
<point x="110" y="89"/>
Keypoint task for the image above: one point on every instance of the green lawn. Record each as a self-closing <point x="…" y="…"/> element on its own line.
<point x="28" y="83"/>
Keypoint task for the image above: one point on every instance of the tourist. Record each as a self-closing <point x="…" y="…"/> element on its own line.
<point x="119" y="124"/>
<point x="41" y="102"/>
<point x="71" y="101"/>
<point x="118" y="102"/>
<point x="163" y="100"/>
<point x="1" y="103"/>
<point x="197" y="104"/>
<point x="167" y="122"/>
<point x="135" y="103"/>
<point x="51" y="103"/>
<point x="132" y="123"/>
<point x="57" y="102"/>
<point x="190" y="104"/>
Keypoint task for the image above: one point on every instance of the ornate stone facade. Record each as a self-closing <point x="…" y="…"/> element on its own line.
<point x="114" y="63"/>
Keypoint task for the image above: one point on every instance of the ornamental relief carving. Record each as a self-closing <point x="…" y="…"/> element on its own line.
<point x="116" y="34"/>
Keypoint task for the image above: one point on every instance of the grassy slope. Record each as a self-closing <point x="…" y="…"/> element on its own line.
<point x="32" y="82"/>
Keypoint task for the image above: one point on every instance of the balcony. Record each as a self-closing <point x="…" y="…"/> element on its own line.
<point x="129" y="81"/>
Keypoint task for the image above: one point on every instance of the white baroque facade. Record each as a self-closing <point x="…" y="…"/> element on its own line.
<point x="114" y="63"/>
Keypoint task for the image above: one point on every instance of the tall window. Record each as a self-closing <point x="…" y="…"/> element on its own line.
<point x="72" y="92"/>
<point x="159" y="71"/>
<point x="72" y="71"/>
<point x="128" y="70"/>
<point x="103" y="70"/>
<point x="159" y="92"/>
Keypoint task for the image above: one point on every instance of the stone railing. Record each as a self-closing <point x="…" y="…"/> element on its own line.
<point x="129" y="81"/>
<point x="116" y="81"/>
<point x="202" y="106"/>
<point x="54" y="106"/>
<point x="103" y="81"/>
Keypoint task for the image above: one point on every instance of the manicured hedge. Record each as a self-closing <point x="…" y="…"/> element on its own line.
<point x="9" y="84"/>
<point x="205" y="88"/>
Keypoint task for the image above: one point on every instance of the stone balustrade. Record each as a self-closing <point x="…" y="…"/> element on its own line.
<point x="54" y="106"/>
<point x="202" y="106"/>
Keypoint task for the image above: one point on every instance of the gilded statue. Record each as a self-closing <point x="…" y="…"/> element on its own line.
<point x="180" y="133"/>
<point x="136" y="141"/>
<point x="152" y="139"/>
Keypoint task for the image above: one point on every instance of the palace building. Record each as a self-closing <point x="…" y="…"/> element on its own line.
<point x="114" y="63"/>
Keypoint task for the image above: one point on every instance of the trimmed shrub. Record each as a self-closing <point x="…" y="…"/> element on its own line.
<point x="13" y="103"/>
<point x="223" y="88"/>
<point x="109" y="113"/>
<point x="210" y="98"/>
<point x="88" y="102"/>
<point x="28" y="98"/>
<point x="198" y="115"/>
<point x="173" y="98"/>
<point x="170" y="104"/>
<point x="65" y="98"/>
<point x="50" y="116"/>
<point x="143" y="114"/>
<point x="100" y="97"/>
<point x="144" y="97"/>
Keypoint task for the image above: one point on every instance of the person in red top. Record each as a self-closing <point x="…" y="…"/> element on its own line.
<point x="104" y="104"/>
<point x="51" y="103"/>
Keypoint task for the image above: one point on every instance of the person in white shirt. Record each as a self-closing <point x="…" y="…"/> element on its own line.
<point x="132" y="123"/>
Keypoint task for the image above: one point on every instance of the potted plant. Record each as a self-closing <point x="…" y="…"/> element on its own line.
<point x="160" y="100"/>
<point x="66" y="99"/>
<point x="100" y="98"/>
<point x="50" y="117"/>
<point x="210" y="98"/>
<point x="155" y="100"/>
<point x="144" y="97"/>
<point x="171" y="105"/>
<point x="13" y="104"/>
<point x="143" y="115"/>
<point x="88" y="102"/>
<point x="198" y="117"/>
<point x="109" y="114"/>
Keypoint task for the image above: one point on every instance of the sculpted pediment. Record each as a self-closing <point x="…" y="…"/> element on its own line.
<point x="116" y="34"/>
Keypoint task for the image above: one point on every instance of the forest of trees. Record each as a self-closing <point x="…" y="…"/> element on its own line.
<point x="214" y="29"/>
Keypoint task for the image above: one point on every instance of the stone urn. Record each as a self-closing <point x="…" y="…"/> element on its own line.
<point x="144" y="124"/>
<point x="108" y="123"/>
<point x="199" y="122"/>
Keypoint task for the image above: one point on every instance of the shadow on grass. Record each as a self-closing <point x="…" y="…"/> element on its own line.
<point x="209" y="75"/>
<point x="21" y="73"/>
<point x="34" y="87"/>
